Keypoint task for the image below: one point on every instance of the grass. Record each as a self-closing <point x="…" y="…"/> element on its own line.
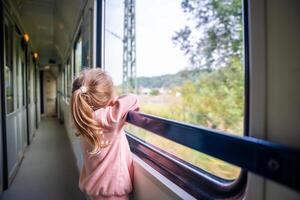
<point x="210" y="164"/>
<point x="169" y="107"/>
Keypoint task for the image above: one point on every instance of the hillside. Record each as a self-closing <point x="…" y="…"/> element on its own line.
<point x="170" y="80"/>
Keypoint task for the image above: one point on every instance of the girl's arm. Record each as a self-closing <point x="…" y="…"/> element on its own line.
<point x="117" y="111"/>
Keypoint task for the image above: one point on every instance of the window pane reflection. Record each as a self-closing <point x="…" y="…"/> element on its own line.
<point x="8" y="70"/>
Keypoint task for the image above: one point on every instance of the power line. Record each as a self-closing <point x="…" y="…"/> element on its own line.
<point x="114" y="34"/>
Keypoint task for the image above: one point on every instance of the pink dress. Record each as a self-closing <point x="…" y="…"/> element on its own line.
<point x="109" y="174"/>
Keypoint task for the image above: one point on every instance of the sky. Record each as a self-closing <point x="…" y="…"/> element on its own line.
<point x="156" y="23"/>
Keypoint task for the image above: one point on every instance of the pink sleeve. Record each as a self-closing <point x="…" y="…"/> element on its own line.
<point x="117" y="112"/>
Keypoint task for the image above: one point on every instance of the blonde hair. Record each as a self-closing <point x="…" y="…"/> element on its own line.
<point x="91" y="90"/>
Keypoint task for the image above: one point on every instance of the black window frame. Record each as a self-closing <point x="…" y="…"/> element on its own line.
<point x="196" y="181"/>
<point x="270" y="160"/>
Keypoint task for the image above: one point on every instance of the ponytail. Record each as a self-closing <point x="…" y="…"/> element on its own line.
<point x="83" y="118"/>
<point x="92" y="89"/>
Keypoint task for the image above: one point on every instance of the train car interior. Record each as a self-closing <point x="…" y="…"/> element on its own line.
<point x="218" y="83"/>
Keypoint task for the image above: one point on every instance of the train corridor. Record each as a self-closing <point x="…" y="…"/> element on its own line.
<point x="48" y="170"/>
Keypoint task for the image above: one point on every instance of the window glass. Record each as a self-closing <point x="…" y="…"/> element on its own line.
<point x="30" y="68"/>
<point x="33" y="80"/>
<point x="184" y="59"/>
<point x="78" y="56"/>
<point x="66" y="80"/>
<point x="18" y="71"/>
<point x="23" y="81"/>
<point x="36" y="82"/>
<point x="63" y="83"/>
<point x="8" y="71"/>
<point x="86" y="38"/>
<point x="69" y="85"/>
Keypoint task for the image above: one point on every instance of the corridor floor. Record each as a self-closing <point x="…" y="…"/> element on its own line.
<point x="48" y="171"/>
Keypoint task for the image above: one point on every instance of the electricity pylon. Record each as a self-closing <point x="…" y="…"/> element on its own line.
<point x="129" y="48"/>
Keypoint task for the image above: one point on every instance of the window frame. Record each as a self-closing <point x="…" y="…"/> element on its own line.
<point x="197" y="182"/>
<point x="209" y="185"/>
<point x="273" y="161"/>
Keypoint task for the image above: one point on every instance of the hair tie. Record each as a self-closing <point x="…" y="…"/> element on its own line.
<point x="83" y="89"/>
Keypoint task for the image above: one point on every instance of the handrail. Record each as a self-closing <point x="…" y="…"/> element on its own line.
<point x="274" y="161"/>
<point x="195" y="181"/>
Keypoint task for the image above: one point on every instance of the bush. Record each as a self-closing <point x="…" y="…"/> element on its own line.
<point x="154" y="92"/>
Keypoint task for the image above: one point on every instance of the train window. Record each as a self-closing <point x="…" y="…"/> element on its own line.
<point x="86" y="40"/>
<point x="9" y="87"/>
<point x="35" y="83"/>
<point x="18" y="71"/>
<point x="23" y="83"/>
<point x="185" y="62"/>
<point x="69" y="77"/>
<point x="63" y="83"/>
<point x="78" y="56"/>
<point x="29" y="75"/>
<point x="66" y="81"/>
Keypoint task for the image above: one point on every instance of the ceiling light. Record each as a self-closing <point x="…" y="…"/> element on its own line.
<point x="26" y="37"/>
<point x="35" y="55"/>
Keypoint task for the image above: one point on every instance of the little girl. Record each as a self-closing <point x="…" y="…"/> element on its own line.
<point x="99" y="118"/>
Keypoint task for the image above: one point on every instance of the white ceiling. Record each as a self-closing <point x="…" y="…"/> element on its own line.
<point x="50" y="25"/>
<point x="37" y="18"/>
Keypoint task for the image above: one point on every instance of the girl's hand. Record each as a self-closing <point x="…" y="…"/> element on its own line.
<point x="117" y="110"/>
<point x="113" y="101"/>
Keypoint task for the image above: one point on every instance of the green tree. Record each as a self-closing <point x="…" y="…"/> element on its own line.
<point x="213" y="39"/>
<point x="216" y="100"/>
<point x="214" y="32"/>
<point x="154" y="92"/>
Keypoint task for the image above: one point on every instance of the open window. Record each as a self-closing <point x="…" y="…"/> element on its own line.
<point x="185" y="60"/>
